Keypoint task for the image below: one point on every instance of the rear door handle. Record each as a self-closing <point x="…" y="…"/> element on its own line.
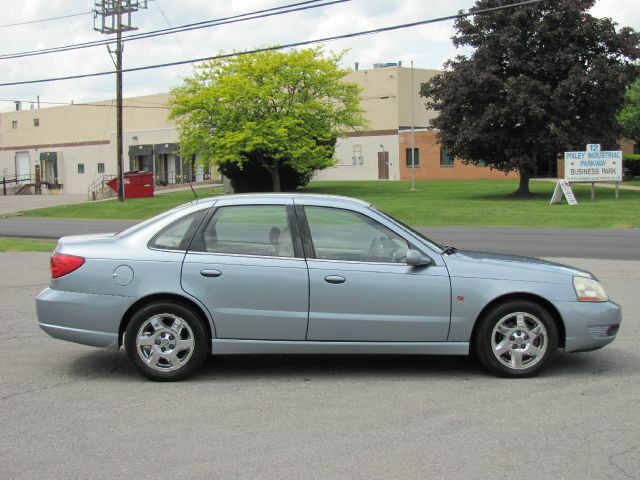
<point x="210" y="273"/>
<point x="334" y="279"/>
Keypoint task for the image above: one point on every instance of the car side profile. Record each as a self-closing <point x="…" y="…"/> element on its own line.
<point x="302" y="273"/>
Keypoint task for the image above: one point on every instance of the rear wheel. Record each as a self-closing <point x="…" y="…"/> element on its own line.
<point x="516" y="339"/>
<point x="166" y="341"/>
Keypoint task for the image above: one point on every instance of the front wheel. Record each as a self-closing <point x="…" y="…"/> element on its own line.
<point x="516" y="339"/>
<point x="166" y="341"/>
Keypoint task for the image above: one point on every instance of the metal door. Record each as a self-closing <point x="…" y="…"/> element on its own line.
<point x="383" y="165"/>
<point x="23" y="167"/>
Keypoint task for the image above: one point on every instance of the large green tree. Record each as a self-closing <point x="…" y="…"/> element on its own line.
<point x="629" y="116"/>
<point x="540" y="79"/>
<point x="274" y="108"/>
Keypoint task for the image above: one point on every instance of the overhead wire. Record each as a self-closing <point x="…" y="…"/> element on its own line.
<point x="281" y="47"/>
<point x="29" y="22"/>
<point x="269" y="12"/>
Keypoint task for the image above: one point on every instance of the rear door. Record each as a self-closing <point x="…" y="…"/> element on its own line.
<point x="361" y="289"/>
<point x="246" y="265"/>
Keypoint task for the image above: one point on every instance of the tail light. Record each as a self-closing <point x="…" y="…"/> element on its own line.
<point x="62" y="264"/>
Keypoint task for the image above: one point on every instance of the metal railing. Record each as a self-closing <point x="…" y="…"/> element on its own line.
<point x="99" y="188"/>
<point x="15" y="179"/>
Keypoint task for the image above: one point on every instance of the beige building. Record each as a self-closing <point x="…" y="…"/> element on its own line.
<point x="74" y="146"/>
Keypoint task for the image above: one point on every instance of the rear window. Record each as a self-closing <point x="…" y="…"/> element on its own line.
<point x="178" y="234"/>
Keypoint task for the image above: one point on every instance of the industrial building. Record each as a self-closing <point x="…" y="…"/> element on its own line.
<point x="73" y="147"/>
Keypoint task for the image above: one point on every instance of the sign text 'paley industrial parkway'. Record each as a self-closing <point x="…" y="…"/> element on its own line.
<point x="593" y="165"/>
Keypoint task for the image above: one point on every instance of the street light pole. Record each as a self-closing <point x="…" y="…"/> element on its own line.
<point x="413" y="140"/>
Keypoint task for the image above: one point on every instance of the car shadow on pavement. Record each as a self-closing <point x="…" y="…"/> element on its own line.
<point x="115" y="365"/>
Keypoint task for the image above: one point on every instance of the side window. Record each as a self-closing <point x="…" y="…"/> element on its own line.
<point x="249" y="230"/>
<point x="177" y="235"/>
<point x="349" y="236"/>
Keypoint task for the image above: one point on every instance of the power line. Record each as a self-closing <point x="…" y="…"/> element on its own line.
<point x="281" y="47"/>
<point x="295" y="7"/>
<point x="45" y="19"/>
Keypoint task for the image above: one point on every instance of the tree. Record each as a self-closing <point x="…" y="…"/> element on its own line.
<point x="273" y="108"/>
<point x="629" y="116"/>
<point x="541" y="79"/>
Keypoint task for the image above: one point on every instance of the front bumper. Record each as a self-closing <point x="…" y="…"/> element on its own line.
<point x="83" y="318"/>
<point x="589" y="325"/>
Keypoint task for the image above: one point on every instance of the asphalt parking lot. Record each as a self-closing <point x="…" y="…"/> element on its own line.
<point x="70" y="411"/>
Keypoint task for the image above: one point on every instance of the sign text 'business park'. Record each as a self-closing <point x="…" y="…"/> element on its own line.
<point x="593" y="165"/>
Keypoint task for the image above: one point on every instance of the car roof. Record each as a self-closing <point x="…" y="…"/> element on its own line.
<point x="295" y="196"/>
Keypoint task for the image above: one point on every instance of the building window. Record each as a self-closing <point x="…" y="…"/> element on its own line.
<point x="14" y="124"/>
<point x="81" y="168"/>
<point x="101" y="168"/>
<point x="36" y="122"/>
<point x="416" y="157"/>
<point x="446" y="160"/>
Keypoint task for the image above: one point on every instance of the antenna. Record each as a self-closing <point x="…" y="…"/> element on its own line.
<point x="193" y="190"/>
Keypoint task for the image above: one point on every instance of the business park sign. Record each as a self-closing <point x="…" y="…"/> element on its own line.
<point x="593" y="165"/>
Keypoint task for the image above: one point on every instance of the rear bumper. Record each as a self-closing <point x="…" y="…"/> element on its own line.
<point x="83" y="318"/>
<point x="589" y="326"/>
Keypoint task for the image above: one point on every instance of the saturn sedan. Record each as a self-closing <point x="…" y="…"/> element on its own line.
<point x="296" y="274"/>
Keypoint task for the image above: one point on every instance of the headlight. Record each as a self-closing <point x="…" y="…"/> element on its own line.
<point x="589" y="290"/>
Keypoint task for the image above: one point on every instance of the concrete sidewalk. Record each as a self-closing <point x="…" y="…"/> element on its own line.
<point x="17" y="203"/>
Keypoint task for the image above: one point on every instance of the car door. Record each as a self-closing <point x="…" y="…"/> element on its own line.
<point x="246" y="265"/>
<point x="361" y="289"/>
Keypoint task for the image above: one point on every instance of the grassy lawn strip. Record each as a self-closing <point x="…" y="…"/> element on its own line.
<point x="25" y="245"/>
<point x="444" y="202"/>
<point x="490" y="203"/>
<point x="134" y="209"/>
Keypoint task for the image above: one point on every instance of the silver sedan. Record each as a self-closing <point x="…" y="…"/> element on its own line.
<point x="294" y="273"/>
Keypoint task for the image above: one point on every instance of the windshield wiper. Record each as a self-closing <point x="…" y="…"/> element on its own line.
<point x="448" y="250"/>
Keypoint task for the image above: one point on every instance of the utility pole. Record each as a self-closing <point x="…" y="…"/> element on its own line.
<point x="110" y="13"/>
<point x="413" y="139"/>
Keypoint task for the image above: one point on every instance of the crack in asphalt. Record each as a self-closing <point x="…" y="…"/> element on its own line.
<point x="622" y="454"/>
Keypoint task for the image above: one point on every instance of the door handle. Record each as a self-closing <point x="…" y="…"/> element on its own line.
<point x="210" y="273"/>
<point x="335" y="279"/>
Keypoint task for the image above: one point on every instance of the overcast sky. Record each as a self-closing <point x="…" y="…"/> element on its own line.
<point x="429" y="46"/>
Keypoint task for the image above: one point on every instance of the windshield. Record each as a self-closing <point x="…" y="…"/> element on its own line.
<point x="435" y="245"/>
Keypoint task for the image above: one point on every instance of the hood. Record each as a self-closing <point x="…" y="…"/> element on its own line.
<point x="508" y="267"/>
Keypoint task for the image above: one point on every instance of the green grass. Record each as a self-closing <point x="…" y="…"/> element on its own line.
<point x="445" y="202"/>
<point x="635" y="183"/>
<point x="134" y="209"/>
<point x="490" y="203"/>
<point x="25" y="245"/>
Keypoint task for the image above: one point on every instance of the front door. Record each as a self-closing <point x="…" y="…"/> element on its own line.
<point x="243" y="266"/>
<point x="383" y="165"/>
<point x="361" y="289"/>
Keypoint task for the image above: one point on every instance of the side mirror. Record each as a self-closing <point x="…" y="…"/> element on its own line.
<point x="417" y="259"/>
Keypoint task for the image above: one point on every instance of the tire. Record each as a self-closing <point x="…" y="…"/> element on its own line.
<point x="166" y="341"/>
<point x="516" y="339"/>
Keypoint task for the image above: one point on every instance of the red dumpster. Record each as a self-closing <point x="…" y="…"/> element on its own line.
<point x="136" y="184"/>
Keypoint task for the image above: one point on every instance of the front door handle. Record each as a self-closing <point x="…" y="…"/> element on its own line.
<point x="334" y="279"/>
<point x="210" y="273"/>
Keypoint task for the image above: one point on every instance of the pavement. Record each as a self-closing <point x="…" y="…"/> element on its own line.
<point x="70" y="411"/>
<point x="16" y="203"/>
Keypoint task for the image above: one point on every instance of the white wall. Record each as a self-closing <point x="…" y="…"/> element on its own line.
<point x="369" y="146"/>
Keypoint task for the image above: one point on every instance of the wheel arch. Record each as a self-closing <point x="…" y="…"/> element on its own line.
<point x="159" y="297"/>
<point x="546" y="304"/>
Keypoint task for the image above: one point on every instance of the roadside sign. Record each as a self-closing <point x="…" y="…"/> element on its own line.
<point x="563" y="187"/>
<point x="593" y="165"/>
